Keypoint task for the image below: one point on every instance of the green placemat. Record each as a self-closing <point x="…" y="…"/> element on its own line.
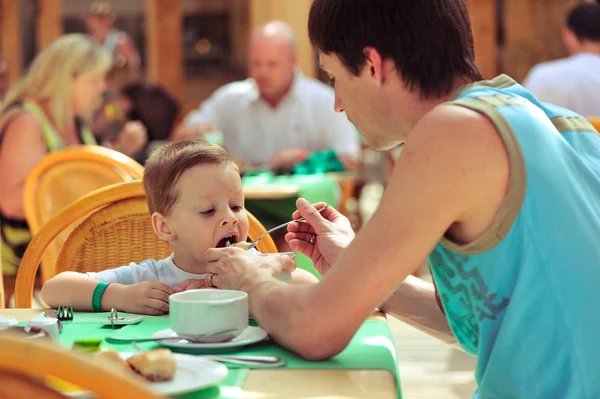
<point x="372" y="347"/>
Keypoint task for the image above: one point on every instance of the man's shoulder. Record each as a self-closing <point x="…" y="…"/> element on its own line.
<point x="312" y="86"/>
<point x="239" y="87"/>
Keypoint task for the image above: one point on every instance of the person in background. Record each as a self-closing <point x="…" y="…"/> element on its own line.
<point x="44" y="112"/>
<point x="277" y="116"/>
<point x="100" y="24"/>
<point x="131" y="102"/>
<point x="573" y="82"/>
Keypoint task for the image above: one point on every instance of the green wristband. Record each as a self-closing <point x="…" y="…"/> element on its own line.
<point x="97" y="296"/>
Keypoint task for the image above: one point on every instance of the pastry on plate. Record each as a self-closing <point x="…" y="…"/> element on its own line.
<point x="111" y="356"/>
<point x="155" y="365"/>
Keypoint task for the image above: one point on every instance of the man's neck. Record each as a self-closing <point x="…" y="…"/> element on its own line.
<point x="590" y="47"/>
<point x="420" y="107"/>
<point x="276" y="99"/>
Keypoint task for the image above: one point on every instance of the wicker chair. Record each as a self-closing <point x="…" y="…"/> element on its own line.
<point x="116" y="230"/>
<point x="65" y="176"/>
<point x="25" y="364"/>
<point x="595" y="121"/>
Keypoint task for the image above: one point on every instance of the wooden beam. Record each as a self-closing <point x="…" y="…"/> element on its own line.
<point x="164" y="44"/>
<point x="484" y="25"/>
<point x="10" y="38"/>
<point x="49" y="22"/>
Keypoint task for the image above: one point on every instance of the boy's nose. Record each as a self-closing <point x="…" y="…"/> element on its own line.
<point x="230" y="218"/>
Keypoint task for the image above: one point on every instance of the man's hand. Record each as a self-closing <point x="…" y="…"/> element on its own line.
<point x="287" y="159"/>
<point x="234" y="266"/>
<point x="147" y="297"/>
<point x="133" y="138"/>
<point x="191" y="284"/>
<point x="324" y="235"/>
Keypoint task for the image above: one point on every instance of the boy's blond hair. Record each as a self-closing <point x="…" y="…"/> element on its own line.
<point x="166" y="164"/>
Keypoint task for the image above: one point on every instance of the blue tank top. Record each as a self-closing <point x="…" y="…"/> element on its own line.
<point x="524" y="297"/>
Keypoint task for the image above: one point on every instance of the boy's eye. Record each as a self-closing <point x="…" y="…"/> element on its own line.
<point x="236" y="208"/>
<point x="208" y="212"/>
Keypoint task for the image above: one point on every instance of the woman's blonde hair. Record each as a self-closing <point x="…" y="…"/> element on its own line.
<point x="51" y="74"/>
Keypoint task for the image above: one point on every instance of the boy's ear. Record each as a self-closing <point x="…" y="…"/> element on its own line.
<point x="161" y="227"/>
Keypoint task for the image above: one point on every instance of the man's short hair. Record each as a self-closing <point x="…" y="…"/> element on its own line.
<point x="584" y="21"/>
<point x="430" y="41"/>
<point x="167" y="164"/>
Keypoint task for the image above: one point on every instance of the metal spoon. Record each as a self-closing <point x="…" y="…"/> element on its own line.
<point x="249" y="245"/>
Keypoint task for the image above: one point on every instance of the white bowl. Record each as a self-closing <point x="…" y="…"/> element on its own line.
<point x="195" y="314"/>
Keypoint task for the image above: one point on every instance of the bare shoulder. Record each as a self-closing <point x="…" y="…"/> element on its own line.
<point x="458" y="152"/>
<point x="24" y="129"/>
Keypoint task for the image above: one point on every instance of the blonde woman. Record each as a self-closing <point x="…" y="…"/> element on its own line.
<point x="45" y="112"/>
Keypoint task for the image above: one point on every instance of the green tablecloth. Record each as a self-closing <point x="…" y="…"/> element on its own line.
<point x="315" y="188"/>
<point x="371" y="348"/>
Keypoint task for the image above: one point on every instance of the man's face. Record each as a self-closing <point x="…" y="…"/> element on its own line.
<point x="360" y="98"/>
<point x="271" y="63"/>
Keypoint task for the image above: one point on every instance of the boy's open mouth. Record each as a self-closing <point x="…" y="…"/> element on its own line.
<point x="227" y="241"/>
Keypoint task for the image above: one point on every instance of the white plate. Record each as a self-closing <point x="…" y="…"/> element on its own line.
<point x="249" y="336"/>
<point x="193" y="374"/>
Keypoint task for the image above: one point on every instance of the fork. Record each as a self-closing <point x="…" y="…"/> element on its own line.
<point x="64" y="313"/>
<point x="249" y="245"/>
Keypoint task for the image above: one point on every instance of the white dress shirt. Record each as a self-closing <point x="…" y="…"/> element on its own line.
<point x="254" y="132"/>
<point x="572" y="83"/>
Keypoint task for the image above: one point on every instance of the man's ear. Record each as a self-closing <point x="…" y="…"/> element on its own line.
<point x="161" y="227"/>
<point x="375" y="65"/>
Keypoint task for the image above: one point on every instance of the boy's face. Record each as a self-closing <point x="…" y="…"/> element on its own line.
<point x="210" y="211"/>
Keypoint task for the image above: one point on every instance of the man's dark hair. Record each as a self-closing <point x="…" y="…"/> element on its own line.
<point x="584" y="21"/>
<point x="430" y="41"/>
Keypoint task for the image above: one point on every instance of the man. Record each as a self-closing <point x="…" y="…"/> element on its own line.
<point x="573" y="82"/>
<point x="277" y="117"/>
<point x="499" y="190"/>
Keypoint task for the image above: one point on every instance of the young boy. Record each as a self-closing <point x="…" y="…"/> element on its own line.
<point x="196" y="200"/>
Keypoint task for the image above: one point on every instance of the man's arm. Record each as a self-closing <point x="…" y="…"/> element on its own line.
<point x="451" y="163"/>
<point x="414" y="303"/>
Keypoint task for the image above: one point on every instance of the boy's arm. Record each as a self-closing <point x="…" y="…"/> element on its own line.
<point x="72" y="288"/>
<point x="125" y="292"/>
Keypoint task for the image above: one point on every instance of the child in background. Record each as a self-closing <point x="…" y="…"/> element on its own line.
<point x="196" y="200"/>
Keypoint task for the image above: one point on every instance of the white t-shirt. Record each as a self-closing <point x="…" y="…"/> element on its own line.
<point x="163" y="271"/>
<point x="572" y="83"/>
<point x="254" y="132"/>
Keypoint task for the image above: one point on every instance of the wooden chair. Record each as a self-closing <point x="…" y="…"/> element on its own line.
<point x="26" y="363"/>
<point x="115" y="230"/>
<point x="595" y="121"/>
<point x="65" y="176"/>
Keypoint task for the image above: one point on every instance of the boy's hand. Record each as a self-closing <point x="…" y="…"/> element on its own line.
<point x="191" y="284"/>
<point x="147" y="297"/>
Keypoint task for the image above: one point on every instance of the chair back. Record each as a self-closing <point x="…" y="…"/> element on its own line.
<point x="65" y="176"/>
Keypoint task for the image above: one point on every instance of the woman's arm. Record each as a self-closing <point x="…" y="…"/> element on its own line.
<point x="22" y="148"/>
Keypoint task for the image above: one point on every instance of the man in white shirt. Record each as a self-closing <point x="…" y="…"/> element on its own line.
<point x="277" y="117"/>
<point x="573" y="82"/>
